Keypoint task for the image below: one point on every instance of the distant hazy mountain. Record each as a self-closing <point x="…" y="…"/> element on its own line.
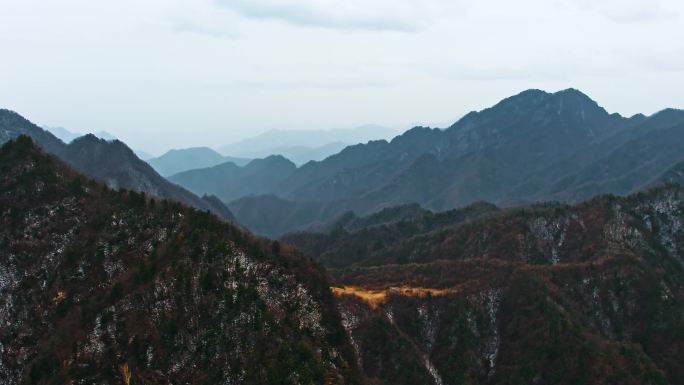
<point x="229" y="181"/>
<point x="144" y="155"/>
<point x="302" y="154"/>
<point x="297" y="143"/>
<point x="109" y="161"/>
<point x="105" y="135"/>
<point x="530" y="147"/>
<point x="67" y="136"/>
<point x="62" y="133"/>
<point x="175" y="161"/>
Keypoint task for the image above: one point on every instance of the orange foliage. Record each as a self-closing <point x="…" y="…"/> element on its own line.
<point x="125" y="373"/>
<point x="376" y="297"/>
<point x="59" y="297"/>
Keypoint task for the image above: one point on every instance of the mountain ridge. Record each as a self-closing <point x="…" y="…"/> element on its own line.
<point x="533" y="146"/>
<point x="88" y="154"/>
<point x="551" y="293"/>
<point x="264" y="144"/>
<point x="180" y="160"/>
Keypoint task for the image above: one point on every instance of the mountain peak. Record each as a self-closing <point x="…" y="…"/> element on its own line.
<point x="201" y="149"/>
<point x="534" y="95"/>
<point x="8" y="112"/>
<point x="92" y="142"/>
<point x="534" y="105"/>
<point x="270" y="161"/>
<point x="576" y="105"/>
<point x="574" y="94"/>
<point x="89" y="137"/>
<point x="571" y="91"/>
<point x="529" y="95"/>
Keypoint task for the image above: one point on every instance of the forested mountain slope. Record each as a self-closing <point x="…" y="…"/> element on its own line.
<point x="591" y="293"/>
<point x="110" y="161"/>
<point x="104" y="286"/>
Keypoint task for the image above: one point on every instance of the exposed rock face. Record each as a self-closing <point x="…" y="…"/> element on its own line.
<point x="102" y="286"/>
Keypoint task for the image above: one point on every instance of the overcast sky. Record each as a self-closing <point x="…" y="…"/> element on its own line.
<point x="178" y="73"/>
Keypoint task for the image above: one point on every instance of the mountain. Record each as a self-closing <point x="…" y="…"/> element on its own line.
<point x="302" y="154"/>
<point x="585" y="294"/>
<point x="115" y="164"/>
<point x="176" y="161"/>
<point x="109" y="161"/>
<point x="228" y="181"/>
<point x="269" y="214"/>
<point x="144" y="155"/>
<point x="12" y="125"/>
<point x="628" y="168"/>
<point x="67" y="136"/>
<point x="110" y="286"/>
<point x="62" y="133"/>
<point x="345" y="243"/>
<point x="274" y="142"/>
<point x="534" y="146"/>
<point x="482" y="156"/>
<point x="107" y="286"/>
<point x="351" y="222"/>
<point x="105" y="135"/>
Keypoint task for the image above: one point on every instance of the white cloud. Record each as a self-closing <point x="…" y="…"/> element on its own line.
<point x="202" y="17"/>
<point x="392" y="15"/>
<point x="633" y="11"/>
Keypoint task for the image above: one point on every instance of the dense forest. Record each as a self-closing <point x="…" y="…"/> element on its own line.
<point x="113" y="286"/>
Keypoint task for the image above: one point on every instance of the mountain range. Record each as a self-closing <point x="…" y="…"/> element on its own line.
<point x="62" y="133"/>
<point x="427" y="259"/>
<point x="301" y="146"/>
<point x="228" y="181"/>
<point x="303" y="154"/>
<point x="67" y="136"/>
<point x="111" y="162"/>
<point x="534" y="146"/>
<point x="177" y="161"/>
